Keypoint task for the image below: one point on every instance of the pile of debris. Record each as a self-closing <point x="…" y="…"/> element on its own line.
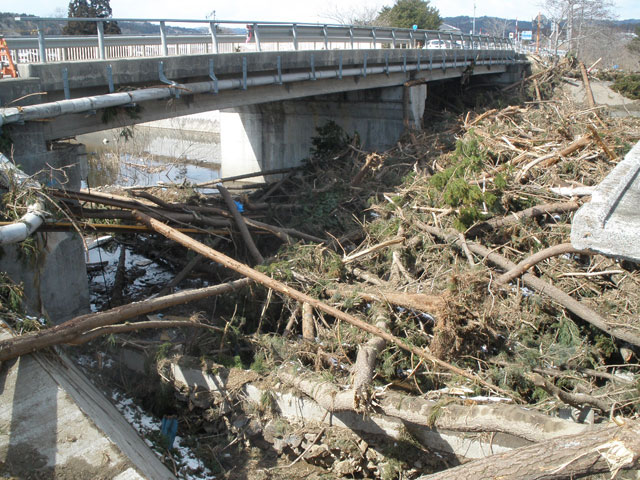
<point x="427" y="298"/>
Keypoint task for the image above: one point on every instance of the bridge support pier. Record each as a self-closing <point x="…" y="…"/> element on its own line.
<point x="52" y="269"/>
<point x="278" y="134"/>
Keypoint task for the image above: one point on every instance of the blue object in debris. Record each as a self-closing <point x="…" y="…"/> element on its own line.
<point x="169" y="430"/>
<point x="239" y="206"/>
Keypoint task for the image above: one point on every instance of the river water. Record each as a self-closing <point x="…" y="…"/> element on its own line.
<point x="179" y="150"/>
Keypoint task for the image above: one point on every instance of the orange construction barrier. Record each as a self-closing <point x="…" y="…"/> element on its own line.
<point x="8" y="68"/>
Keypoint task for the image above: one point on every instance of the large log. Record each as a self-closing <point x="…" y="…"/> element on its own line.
<point x="606" y="450"/>
<point x="240" y="223"/>
<point x="68" y="331"/>
<point x="509" y="419"/>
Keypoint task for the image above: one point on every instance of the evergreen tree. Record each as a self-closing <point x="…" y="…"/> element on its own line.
<point x="89" y="9"/>
<point x="407" y="13"/>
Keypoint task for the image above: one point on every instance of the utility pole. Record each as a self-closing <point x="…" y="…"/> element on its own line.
<point x="538" y="36"/>
<point x="473" y="32"/>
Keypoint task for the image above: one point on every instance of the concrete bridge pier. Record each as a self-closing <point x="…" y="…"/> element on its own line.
<point x="274" y="135"/>
<point x="53" y="270"/>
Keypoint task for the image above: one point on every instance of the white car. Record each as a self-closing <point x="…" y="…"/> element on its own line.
<point x="437" y="44"/>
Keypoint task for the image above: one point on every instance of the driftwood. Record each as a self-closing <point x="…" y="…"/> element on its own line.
<point x="70" y="330"/>
<point x="244" y="231"/>
<point x="277" y="185"/>
<point x="511" y="419"/>
<point x="110" y="227"/>
<point x="554" y="157"/>
<point x="308" y="325"/>
<point x="573" y="399"/>
<point x="133" y="327"/>
<point x="602" y="451"/>
<point x="531" y="77"/>
<point x="293" y="318"/>
<point x="372" y="249"/>
<point x="517" y="217"/>
<point x="180" y="213"/>
<point x="181" y="275"/>
<point x="596" y="136"/>
<point x="538" y="257"/>
<point x="119" y="281"/>
<point x="364" y="370"/>
<point x="432" y="304"/>
<point x="587" y="85"/>
<point x="480" y="118"/>
<point x="303" y="297"/>
<point x="557" y="295"/>
<point x="264" y="173"/>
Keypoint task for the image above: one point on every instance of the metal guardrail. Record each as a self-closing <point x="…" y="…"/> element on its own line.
<point x="260" y="36"/>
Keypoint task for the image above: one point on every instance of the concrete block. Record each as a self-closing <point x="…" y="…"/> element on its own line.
<point x="56" y="424"/>
<point x="610" y="222"/>
<point x="54" y="276"/>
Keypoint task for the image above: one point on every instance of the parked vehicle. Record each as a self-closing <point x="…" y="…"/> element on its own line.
<point x="438" y="44"/>
<point x="435" y="44"/>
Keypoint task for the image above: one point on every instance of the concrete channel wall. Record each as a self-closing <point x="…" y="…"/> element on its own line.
<point x="54" y="423"/>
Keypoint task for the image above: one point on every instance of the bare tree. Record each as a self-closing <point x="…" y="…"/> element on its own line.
<point x="575" y="20"/>
<point x="352" y="15"/>
<point x="497" y="27"/>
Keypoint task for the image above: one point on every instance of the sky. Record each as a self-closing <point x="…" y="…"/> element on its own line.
<point x="291" y="10"/>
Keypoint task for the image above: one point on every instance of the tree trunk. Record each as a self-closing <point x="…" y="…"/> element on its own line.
<point x="244" y="231"/>
<point x="606" y="450"/>
<point x="365" y="368"/>
<point x="509" y="419"/>
<point x="308" y="325"/>
<point x="69" y="330"/>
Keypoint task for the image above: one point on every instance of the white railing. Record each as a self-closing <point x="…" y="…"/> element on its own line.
<point x="259" y="36"/>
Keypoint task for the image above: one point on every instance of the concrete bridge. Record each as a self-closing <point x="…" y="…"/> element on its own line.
<point x="273" y="90"/>
<point x="273" y="93"/>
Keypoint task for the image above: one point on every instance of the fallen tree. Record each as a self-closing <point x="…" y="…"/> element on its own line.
<point x="606" y="450"/>
<point x="581" y="310"/>
<point x="84" y="327"/>
<point x="277" y="286"/>
<point x="510" y="419"/>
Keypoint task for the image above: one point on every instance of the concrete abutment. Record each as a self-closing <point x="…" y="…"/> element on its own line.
<point x="276" y="135"/>
<point x="52" y="270"/>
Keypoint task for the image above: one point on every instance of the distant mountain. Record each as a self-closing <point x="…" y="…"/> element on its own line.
<point x="9" y="26"/>
<point x="496" y="25"/>
<point x="490" y="25"/>
<point x="493" y="25"/>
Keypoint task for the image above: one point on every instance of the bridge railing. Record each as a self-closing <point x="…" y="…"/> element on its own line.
<point x="220" y="36"/>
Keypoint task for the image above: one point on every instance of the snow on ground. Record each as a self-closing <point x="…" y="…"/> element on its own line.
<point x="188" y="466"/>
<point x="147" y="273"/>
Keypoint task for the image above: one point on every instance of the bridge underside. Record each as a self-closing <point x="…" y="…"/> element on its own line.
<point x="72" y="125"/>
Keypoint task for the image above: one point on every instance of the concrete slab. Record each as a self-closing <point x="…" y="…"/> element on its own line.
<point x="55" y="424"/>
<point x="610" y="222"/>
